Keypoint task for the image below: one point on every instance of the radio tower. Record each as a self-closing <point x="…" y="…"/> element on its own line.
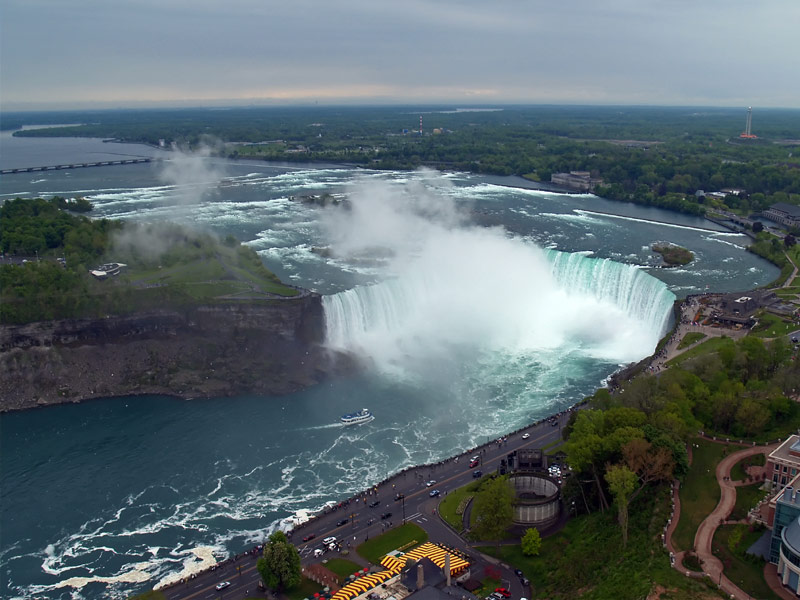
<point x="420" y="124"/>
<point x="747" y="134"/>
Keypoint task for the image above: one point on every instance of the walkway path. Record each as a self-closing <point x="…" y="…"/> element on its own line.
<point x="712" y="566"/>
<point x="790" y="280"/>
<point x="670" y="350"/>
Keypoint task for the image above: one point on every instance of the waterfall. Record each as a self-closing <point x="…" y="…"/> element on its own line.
<point x="525" y="301"/>
<point x="633" y="291"/>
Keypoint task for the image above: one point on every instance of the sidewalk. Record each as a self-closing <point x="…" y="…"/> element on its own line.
<point x="712" y="566"/>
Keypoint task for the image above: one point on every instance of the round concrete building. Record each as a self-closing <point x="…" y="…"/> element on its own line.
<point x="537" y="501"/>
<point x="789" y="559"/>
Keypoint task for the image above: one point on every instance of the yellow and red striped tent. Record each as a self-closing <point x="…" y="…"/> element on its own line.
<point x="394" y="564"/>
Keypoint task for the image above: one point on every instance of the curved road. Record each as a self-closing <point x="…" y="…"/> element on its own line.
<point x="364" y="522"/>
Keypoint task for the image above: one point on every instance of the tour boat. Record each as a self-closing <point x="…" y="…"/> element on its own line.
<point x="362" y="416"/>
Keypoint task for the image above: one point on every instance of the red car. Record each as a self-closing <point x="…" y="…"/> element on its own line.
<point x="310" y="536"/>
<point x="503" y="592"/>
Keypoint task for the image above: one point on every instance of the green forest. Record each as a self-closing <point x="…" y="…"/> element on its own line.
<point x="647" y="155"/>
<point x="166" y="266"/>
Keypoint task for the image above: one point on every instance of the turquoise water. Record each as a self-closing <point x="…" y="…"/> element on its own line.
<point x="479" y="307"/>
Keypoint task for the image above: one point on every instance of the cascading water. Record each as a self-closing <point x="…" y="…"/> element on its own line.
<point x="532" y="302"/>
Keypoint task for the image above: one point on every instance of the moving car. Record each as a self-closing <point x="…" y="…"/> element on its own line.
<point x="310" y="536"/>
<point x="386" y="515"/>
<point x="477" y="474"/>
<point x="222" y="585"/>
<point x="430" y="483"/>
<point x="525" y="436"/>
<point x="433" y="493"/>
<point x="474" y="461"/>
<point x="329" y="540"/>
<point x="374" y="503"/>
<point x="341" y="522"/>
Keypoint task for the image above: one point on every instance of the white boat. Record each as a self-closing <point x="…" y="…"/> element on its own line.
<point x="362" y="416"/>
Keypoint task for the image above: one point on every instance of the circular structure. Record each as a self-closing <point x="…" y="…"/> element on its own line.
<point x="789" y="561"/>
<point x="537" y="499"/>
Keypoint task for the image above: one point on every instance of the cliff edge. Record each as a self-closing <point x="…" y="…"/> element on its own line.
<point x="216" y="350"/>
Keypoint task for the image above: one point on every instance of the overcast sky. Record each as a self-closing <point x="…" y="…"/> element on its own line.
<point x="86" y="53"/>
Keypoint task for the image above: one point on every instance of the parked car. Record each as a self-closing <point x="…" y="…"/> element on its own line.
<point x="519" y="573"/>
<point x="503" y="592"/>
<point x="222" y="585"/>
<point x="433" y="493"/>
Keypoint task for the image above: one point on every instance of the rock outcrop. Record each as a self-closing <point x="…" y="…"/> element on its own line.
<point x="221" y="350"/>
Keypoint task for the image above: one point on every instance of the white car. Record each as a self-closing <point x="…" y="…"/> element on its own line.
<point x="525" y="436"/>
<point x="329" y="540"/>
<point x="431" y="482"/>
<point x="222" y="585"/>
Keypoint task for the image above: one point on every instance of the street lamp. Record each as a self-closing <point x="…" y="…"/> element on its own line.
<point x="403" y="502"/>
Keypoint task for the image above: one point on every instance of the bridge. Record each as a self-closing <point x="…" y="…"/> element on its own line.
<point x="102" y="163"/>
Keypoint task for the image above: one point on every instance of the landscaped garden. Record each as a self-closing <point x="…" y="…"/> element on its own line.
<point x="405" y="537"/>
<point x="699" y="492"/>
<point x="730" y="545"/>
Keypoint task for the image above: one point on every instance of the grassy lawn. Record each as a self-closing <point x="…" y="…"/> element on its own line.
<point x="455" y="500"/>
<point x="690" y="338"/>
<point x="746" y="498"/>
<point x="151" y="595"/>
<point x="699" y="492"/>
<point x="306" y="589"/>
<point x="710" y="345"/>
<point x="490" y="584"/>
<point x="738" y="471"/>
<point x="770" y="326"/>
<point x="587" y="560"/>
<point x="342" y="567"/>
<point x="398" y="537"/>
<point x="747" y="573"/>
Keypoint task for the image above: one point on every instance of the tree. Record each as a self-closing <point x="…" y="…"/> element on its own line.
<point x="493" y="510"/>
<point x="621" y="481"/>
<point x="789" y="241"/>
<point x="758" y="227"/>
<point x="280" y="565"/>
<point x="531" y="542"/>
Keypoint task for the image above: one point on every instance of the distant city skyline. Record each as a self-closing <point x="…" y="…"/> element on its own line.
<point x="65" y="54"/>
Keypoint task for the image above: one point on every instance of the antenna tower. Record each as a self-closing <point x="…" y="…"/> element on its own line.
<point x="748" y="122"/>
<point x="420" y="124"/>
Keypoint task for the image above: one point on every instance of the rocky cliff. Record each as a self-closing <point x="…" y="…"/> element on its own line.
<point x="220" y="350"/>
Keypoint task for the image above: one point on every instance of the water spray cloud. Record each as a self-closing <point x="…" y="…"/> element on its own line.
<point x="451" y="286"/>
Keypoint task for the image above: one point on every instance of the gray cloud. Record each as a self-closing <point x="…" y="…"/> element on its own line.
<point x="78" y="52"/>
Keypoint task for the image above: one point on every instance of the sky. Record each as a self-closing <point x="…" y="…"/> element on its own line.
<point x="67" y="54"/>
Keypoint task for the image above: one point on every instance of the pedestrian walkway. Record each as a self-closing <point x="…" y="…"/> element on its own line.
<point x="712" y="566"/>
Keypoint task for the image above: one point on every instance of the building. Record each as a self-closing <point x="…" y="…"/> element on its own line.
<point x="738" y="309"/>
<point x="783" y="463"/>
<point x="788" y="560"/>
<point x="787" y="215"/>
<point x="581" y="181"/>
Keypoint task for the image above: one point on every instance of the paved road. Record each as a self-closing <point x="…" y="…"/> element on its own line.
<point x="364" y="522"/>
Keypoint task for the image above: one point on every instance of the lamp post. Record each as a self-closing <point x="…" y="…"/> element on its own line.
<point x="403" y="502"/>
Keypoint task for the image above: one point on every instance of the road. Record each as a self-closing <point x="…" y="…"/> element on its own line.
<point x="365" y="522"/>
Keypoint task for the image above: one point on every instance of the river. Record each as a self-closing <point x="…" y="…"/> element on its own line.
<point x="480" y="305"/>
